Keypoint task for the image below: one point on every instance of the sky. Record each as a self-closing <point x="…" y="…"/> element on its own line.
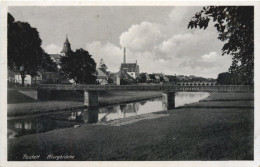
<point x="156" y="37"/>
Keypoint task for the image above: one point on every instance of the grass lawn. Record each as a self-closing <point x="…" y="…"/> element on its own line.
<point x="219" y="104"/>
<point x="42" y="107"/>
<point x="186" y="134"/>
<point x="14" y="96"/>
<point x="226" y="96"/>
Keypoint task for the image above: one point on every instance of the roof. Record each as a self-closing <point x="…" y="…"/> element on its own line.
<point x="67" y="41"/>
<point x="129" y="65"/>
<point x="101" y="74"/>
<point x="121" y="74"/>
<point x="66" y="46"/>
<point x="125" y="75"/>
<point x="104" y="71"/>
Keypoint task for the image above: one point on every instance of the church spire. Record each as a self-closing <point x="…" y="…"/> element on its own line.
<point x="101" y="63"/>
<point x="66" y="46"/>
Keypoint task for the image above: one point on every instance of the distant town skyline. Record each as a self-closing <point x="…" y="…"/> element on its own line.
<point x="157" y="37"/>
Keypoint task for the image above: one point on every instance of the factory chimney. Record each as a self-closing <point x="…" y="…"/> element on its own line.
<point x="124" y="55"/>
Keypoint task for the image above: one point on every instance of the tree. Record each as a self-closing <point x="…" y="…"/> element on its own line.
<point x="24" y="47"/>
<point x="227" y="78"/>
<point x="110" y="80"/>
<point x="79" y="66"/>
<point x="142" y="78"/>
<point x="235" y="26"/>
<point x="162" y="79"/>
<point x="172" y="78"/>
<point x="152" y="76"/>
<point x="48" y="64"/>
<point x="125" y="81"/>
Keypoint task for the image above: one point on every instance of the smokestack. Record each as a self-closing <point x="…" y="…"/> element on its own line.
<point x="124" y="55"/>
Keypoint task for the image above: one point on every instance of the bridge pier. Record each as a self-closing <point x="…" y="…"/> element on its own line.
<point x="91" y="98"/>
<point x="169" y="97"/>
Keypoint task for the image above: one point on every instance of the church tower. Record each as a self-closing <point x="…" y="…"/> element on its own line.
<point x="102" y="65"/>
<point x="66" y="46"/>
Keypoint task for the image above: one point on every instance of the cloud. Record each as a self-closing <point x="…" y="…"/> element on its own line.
<point x="110" y="53"/>
<point x="209" y="64"/>
<point x="178" y="14"/>
<point x="141" y="37"/>
<point x="167" y="47"/>
<point x="173" y="42"/>
<point x="211" y="57"/>
<point x="187" y="53"/>
<point x="52" y="49"/>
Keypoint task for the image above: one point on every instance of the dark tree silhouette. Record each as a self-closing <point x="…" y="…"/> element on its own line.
<point x="227" y="78"/>
<point x="48" y="64"/>
<point x="24" y="49"/>
<point x="110" y="80"/>
<point x="162" y="79"/>
<point x="79" y="66"/>
<point x="125" y="81"/>
<point x="172" y="78"/>
<point x="152" y="76"/>
<point x="235" y="25"/>
<point x="142" y="78"/>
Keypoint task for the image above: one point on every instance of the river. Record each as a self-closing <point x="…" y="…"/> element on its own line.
<point x="66" y="119"/>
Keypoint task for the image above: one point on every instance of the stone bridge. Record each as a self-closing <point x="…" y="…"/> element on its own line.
<point x="91" y="91"/>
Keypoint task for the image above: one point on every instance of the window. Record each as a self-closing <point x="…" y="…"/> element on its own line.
<point x="18" y="125"/>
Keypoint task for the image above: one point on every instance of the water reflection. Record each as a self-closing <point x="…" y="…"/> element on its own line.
<point x="182" y="98"/>
<point x="38" y="124"/>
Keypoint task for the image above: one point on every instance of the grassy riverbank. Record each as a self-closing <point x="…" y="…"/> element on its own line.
<point x="185" y="134"/>
<point x="14" y="97"/>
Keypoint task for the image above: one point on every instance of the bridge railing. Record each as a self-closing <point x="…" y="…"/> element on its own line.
<point x="216" y="88"/>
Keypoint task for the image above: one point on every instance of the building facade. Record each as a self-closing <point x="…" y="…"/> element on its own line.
<point x="130" y="68"/>
<point x="16" y="78"/>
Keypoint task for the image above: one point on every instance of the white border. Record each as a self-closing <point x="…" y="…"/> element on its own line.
<point x="3" y="87"/>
